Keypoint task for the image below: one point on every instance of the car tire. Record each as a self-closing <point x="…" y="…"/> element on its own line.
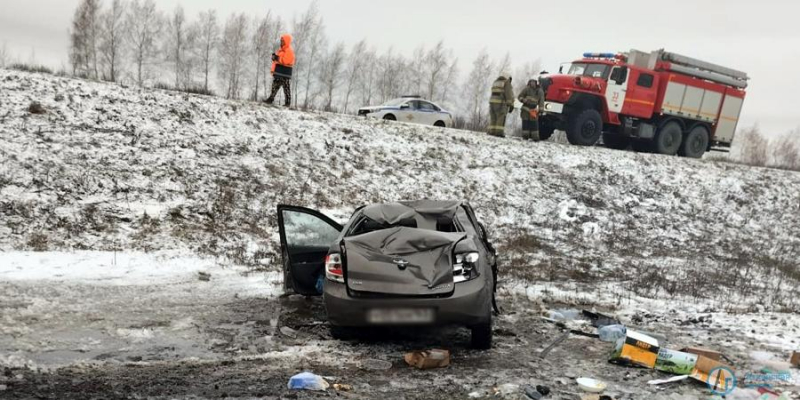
<point x="439" y="124"/>
<point x="482" y="335"/>
<point x="695" y="143"/>
<point x="585" y="128"/>
<point x="389" y="117"/>
<point x="340" y="332"/>
<point x="668" y="139"/>
<point x="615" y="141"/>
<point x="642" y="146"/>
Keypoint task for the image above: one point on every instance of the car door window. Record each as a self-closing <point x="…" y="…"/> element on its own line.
<point x="425" y="106"/>
<point x="306" y="235"/>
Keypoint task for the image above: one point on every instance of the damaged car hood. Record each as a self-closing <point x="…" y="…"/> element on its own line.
<point x="401" y="261"/>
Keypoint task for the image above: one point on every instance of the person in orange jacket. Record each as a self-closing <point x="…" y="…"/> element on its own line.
<point x="282" y="64"/>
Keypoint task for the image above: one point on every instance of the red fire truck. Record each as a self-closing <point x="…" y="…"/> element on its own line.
<point x="660" y="101"/>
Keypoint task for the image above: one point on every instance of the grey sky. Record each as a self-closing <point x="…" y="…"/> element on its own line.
<point x="761" y="38"/>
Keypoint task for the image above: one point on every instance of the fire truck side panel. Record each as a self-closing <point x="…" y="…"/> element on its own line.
<point x="710" y="108"/>
<point x="642" y="93"/>
<point x="728" y="118"/>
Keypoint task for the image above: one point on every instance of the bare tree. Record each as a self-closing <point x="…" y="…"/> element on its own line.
<point x="367" y="84"/>
<point x="4" y="55"/>
<point x="356" y="70"/>
<point x="436" y="61"/>
<point x="207" y="30"/>
<point x="143" y="25"/>
<point x="476" y="91"/>
<point x="753" y="147"/>
<point x="232" y="55"/>
<point x="84" y="36"/>
<point x="309" y="33"/>
<point x="414" y="71"/>
<point x="331" y="74"/>
<point x="786" y="153"/>
<point x="177" y="44"/>
<point x="112" y="28"/>
<point x="450" y="79"/>
<point x="264" y="35"/>
<point x="504" y="65"/>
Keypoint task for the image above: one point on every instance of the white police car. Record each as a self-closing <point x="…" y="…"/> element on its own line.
<point x="411" y="109"/>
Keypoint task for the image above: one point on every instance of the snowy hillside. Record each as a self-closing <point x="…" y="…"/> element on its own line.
<point x="113" y="168"/>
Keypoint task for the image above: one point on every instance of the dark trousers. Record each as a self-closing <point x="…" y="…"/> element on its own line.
<point x="279" y="82"/>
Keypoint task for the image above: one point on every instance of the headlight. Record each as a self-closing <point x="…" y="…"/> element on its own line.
<point x="464" y="268"/>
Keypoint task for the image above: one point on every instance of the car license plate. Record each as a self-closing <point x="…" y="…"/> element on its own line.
<point x="387" y="316"/>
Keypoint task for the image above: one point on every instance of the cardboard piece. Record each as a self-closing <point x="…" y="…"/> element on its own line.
<point x="675" y="362"/>
<point x="428" y="359"/>
<point x="795" y="359"/>
<point x="705" y="366"/>
<point x="708" y="353"/>
<point x="636" y="349"/>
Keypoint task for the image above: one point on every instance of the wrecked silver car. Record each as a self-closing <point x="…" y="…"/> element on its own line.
<point x="403" y="263"/>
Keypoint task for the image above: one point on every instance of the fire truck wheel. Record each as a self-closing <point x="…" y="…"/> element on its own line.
<point x="616" y="142"/>
<point x="668" y="139"/>
<point x="546" y="130"/>
<point x="695" y="143"/>
<point x="585" y="128"/>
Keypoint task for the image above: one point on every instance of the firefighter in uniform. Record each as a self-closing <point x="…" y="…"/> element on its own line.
<point x="532" y="99"/>
<point x="500" y="104"/>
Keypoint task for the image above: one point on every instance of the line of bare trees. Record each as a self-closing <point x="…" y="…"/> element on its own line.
<point x="754" y="148"/>
<point x="134" y="42"/>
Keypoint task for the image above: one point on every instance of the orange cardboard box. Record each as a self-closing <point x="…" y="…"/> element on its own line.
<point x="722" y="374"/>
<point x="708" y="353"/>
<point x="637" y="349"/>
<point x="795" y="358"/>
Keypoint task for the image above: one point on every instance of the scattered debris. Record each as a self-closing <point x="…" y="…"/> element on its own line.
<point x="599" y="320"/>
<point x="637" y="349"/>
<point x="204" y="276"/>
<point x="375" y="365"/>
<point x="506" y="389"/>
<point x="675" y="362"/>
<point x="668" y="380"/>
<point x="342" y="387"/>
<point x="531" y="392"/>
<point x="544" y="390"/>
<point x="591" y="385"/>
<point x="795" y="359"/>
<point x="595" y="397"/>
<point x="428" y="359"/>
<point x="612" y="333"/>
<point x="36" y="108"/>
<point x="3" y="388"/>
<point x="308" y="381"/>
<point x="288" y="332"/>
<point x="59" y="97"/>
<point x="712" y="354"/>
<point x="705" y="366"/>
<point x="558" y="341"/>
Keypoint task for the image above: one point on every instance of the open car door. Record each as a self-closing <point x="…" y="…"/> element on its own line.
<point x="306" y="236"/>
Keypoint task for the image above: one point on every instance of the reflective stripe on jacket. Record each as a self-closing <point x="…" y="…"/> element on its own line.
<point x="502" y="92"/>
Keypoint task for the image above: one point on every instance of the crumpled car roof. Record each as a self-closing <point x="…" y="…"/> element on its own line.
<point x="394" y="213"/>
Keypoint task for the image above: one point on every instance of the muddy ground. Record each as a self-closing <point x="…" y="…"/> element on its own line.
<point x="206" y="347"/>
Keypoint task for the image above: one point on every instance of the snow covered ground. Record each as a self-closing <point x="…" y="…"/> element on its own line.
<point x="126" y="195"/>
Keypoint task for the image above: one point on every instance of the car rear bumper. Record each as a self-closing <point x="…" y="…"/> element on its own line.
<point x="468" y="305"/>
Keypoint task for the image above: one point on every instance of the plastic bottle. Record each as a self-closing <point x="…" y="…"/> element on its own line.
<point x="307" y="381"/>
<point x="612" y="333"/>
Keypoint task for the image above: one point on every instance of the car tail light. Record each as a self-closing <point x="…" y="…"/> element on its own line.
<point x="464" y="268"/>
<point x="333" y="268"/>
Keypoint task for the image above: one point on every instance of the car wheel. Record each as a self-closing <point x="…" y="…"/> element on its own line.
<point x="340" y="332"/>
<point x="695" y="143"/>
<point x="668" y="139"/>
<point x="585" y="128"/>
<point x="616" y="142"/>
<point x="440" y="124"/>
<point x="389" y="117"/>
<point x="482" y="335"/>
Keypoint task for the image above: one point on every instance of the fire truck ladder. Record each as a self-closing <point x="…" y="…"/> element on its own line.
<point x="705" y="70"/>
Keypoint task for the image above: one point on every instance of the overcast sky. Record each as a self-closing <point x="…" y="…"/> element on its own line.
<point x="761" y="38"/>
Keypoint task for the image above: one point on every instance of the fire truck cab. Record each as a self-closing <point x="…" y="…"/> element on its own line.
<point x="660" y="102"/>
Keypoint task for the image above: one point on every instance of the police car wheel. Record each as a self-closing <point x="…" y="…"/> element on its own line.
<point x="440" y="124"/>
<point x="389" y="117"/>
